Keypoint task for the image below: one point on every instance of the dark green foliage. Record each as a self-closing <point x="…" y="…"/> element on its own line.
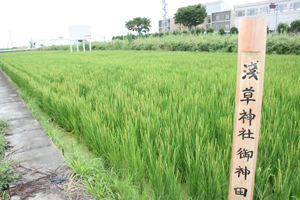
<point x="118" y="37"/>
<point x="185" y="31"/>
<point x="210" y="30"/>
<point x="268" y="30"/>
<point x="3" y="143"/>
<point x="177" y="32"/>
<point x="7" y="173"/>
<point x="130" y="37"/>
<point x="139" y="24"/>
<point x="222" y="31"/>
<point x="234" y="30"/>
<point x="191" y="15"/>
<point x="200" y="30"/>
<point x="193" y="31"/>
<point x="283" y="28"/>
<point x="295" y="26"/>
<point x="280" y="44"/>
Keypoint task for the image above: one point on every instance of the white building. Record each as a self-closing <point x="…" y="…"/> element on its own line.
<point x="216" y="6"/>
<point x="219" y="14"/>
<point x="288" y="11"/>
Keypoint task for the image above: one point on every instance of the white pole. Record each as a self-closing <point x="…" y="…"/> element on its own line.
<point x="77" y="46"/>
<point x="276" y="17"/>
<point x="83" y="45"/>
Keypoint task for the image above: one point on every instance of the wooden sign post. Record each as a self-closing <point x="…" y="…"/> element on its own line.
<point x="249" y="90"/>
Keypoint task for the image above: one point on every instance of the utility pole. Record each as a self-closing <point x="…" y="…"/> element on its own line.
<point x="275" y="6"/>
<point x="10" y="38"/>
<point x="164" y="21"/>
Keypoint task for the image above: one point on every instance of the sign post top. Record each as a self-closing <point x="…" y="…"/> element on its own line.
<point x="80" y="32"/>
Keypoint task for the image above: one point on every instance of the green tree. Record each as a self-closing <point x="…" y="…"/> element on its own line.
<point x="283" y="27"/>
<point x="191" y="15"/>
<point x="185" y="31"/>
<point x="295" y="26"/>
<point x="139" y="24"/>
<point x="222" y="31"/>
<point x="200" y="30"/>
<point x="193" y="31"/>
<point x="210" y="30"/>
<point x="234" y="30"/>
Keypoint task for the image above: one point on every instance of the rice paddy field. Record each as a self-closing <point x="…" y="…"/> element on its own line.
<point x="166" y="118"/>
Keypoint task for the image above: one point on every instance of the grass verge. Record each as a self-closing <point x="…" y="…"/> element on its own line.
<point x="7" y="173"/>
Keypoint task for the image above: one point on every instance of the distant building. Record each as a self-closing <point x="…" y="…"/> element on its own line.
<point x="171" y="26"/>
<point x="219" y="14"/>
<point x="288" y="11"/>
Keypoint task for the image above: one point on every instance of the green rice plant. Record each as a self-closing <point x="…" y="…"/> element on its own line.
<point x="164" y="120"/>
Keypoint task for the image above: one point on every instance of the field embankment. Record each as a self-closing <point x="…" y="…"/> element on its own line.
<point x="166" y="118"/>
<point x="276" y="44"/>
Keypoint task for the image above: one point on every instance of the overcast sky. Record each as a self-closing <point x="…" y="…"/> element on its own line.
<point x="45" y="19"/>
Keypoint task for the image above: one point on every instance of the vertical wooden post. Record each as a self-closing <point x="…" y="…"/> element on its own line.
<point x="249" y="90"/>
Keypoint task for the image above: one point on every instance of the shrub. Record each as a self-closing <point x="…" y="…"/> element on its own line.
<point x="234" y="30"/>
<point x="176" y="32"/>
<point x="200" y="30"/>
<point x="283" y="27"/>
<point x="167" y="32"/>
<point x="193" y="31"/>
<point x="185" y="31"/>
<point x="222" y="31"/>
<point x="129" y="37"/>
<point x="210" y="30"/>
<point x="295" y="26"/>
<point x="276" y="44"/>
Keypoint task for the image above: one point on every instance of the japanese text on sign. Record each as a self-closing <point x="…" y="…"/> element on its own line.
<point x="247" y="119"/>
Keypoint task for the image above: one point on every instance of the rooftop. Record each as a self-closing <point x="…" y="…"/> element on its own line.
<point x="213" y="2"/>
<point x="260" y="3"/>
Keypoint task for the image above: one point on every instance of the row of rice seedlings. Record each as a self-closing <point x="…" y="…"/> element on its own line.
<point x="166" y="118"/>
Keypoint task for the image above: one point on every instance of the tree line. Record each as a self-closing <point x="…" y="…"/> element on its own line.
<point x="188" y="16"/>
<point x="192" y="16"/>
